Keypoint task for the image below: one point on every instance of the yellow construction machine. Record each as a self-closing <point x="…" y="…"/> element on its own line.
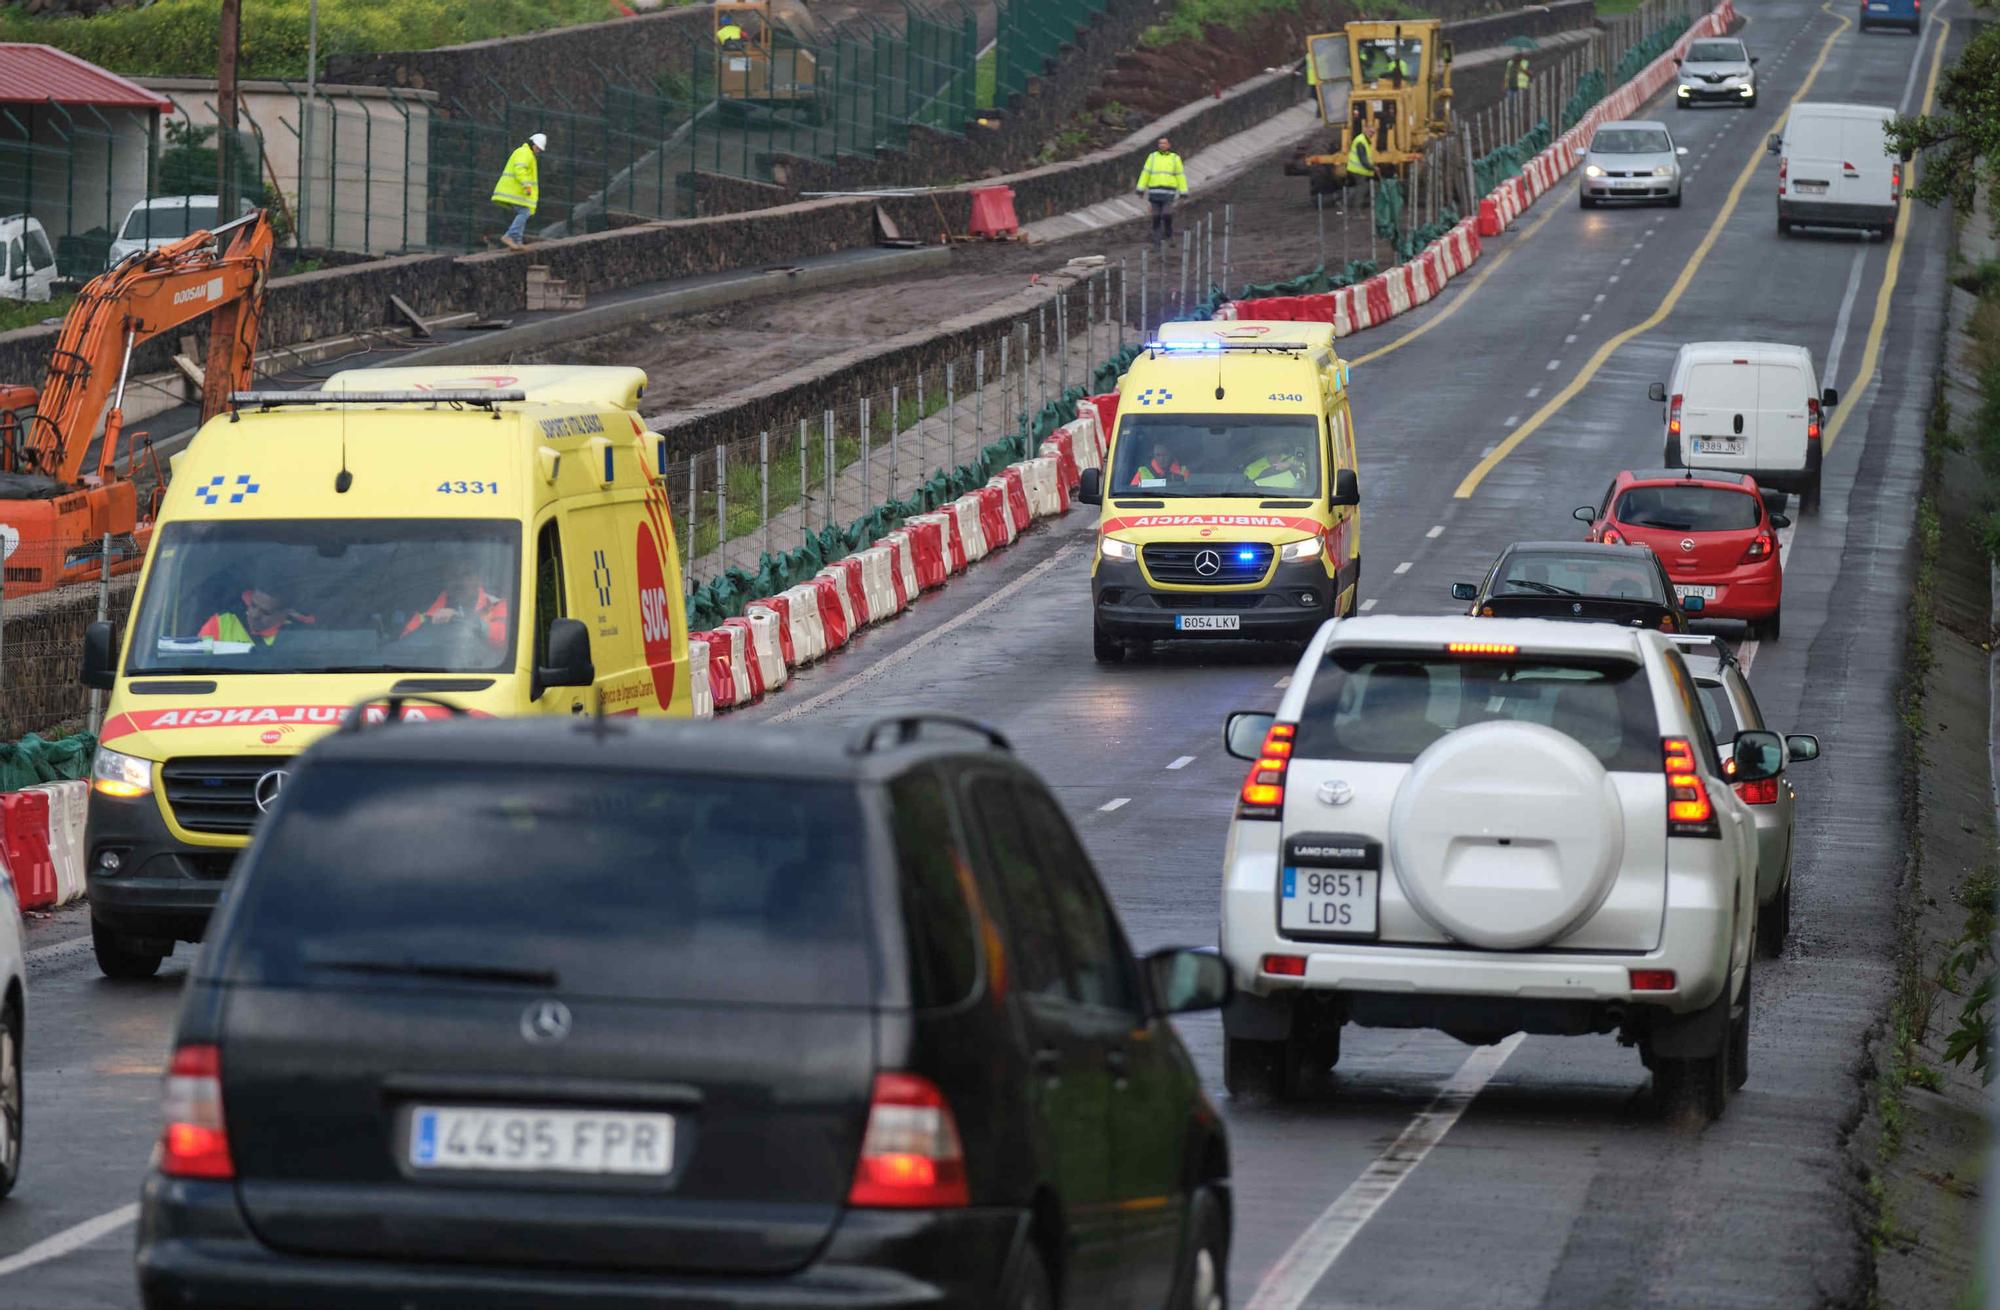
<point x="765" y="65"/>
<point x="1391" y="80"/>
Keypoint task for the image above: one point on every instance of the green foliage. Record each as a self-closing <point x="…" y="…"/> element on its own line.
<point x="1191" y="19"/>
<point x="20" y="314"/>
<point x="1960" y="140"/>
<point x="179" y="37"/>
<point x="986" y="78"/>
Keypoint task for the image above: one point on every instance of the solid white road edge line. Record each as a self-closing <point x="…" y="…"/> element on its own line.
<point x="1839" y="342"/>
<point x="69" y="1239"/>
<point x="887" y="662"/>
<point x="1299" y="1270"/>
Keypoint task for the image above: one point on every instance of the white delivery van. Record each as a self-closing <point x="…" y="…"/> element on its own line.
<point x="1750" y="407"/>
<point x="1835" y="169"/>
<point x="27" y="265"/>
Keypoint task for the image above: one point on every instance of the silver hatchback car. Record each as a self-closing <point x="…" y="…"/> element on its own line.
<point x="1731" y="708"/>
<point x="1632" y="161"/>
<point x="1717" y="71"/>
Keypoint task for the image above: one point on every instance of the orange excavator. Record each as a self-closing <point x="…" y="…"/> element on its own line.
<point x="55" y="517"/>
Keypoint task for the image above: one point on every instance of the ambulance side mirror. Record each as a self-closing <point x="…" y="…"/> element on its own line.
<point x="1346" y="489"/>
<point x="569" y="658"/>
<point x="97" y="670"/>
<point x="1090" y="488"/>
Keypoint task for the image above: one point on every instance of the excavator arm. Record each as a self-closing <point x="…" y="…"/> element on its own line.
<point x="220" y="273"/>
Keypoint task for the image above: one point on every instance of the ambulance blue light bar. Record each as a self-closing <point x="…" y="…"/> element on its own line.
<point x="275" y="399"/>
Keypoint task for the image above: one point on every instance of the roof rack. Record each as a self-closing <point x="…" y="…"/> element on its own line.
<point x="909" y="726"/>
<point x="280" y="399"/>
<point x="1704" y="643"/>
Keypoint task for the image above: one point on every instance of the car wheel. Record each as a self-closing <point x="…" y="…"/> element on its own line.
<point x="1751" y="103"/>
<point x="1250" y="1067"/>
<point x="1809" y="499"/>
<point x="1674" y="200"/>
<point x="1680" y="103"/>
<point x="1203" y="1280"/>
<point x="1739" y="1036"/>
<point x="1584" y="202"/>
<point x="119" y="957"/>
<point x="10" y="1097"/>
<point x="1784" y="226"/>
<point x="1774" y="922"/>
<point x="1693" y="1089"/>
<point x="1029" y="1288"/>
<point x="1771" y="628"/>
<point x="1109" y="650"/>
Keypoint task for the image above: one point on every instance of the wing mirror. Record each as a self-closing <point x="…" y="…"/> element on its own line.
<point x="1677" y="63"/>
<point x="1465" y="591"/>
<point x="1346" y="489"/>
<point x="1184" y="980"/>
<point x="1774" y="143"/>
<point x="98" y="670"/>
<point x="1781" y="520"/>
<point x="1090" y="487"/>
<point x="569" y="658"/>
<point x="1582" y="514"/>
<point x="1801" y="746"/>
<point x="1753" y="59"/>
<point x="1658" y="391"/>
<point x="1829" y="398"/>
<point x="1244" y="731"/>
<point x="1692" y="604"/>
<point x="1758" y="755"/>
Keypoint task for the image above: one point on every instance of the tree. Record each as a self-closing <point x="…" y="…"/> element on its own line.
<point x="1960" y="141"/>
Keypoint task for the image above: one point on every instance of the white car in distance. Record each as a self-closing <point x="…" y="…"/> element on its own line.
<point x="1490" y="826"/>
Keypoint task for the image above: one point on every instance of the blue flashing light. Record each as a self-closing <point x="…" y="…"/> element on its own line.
<point x="1246" y="556"/>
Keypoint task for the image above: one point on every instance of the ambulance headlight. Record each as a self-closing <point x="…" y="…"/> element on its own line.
<point x="115" y="773"/>
<point x="1112" y="548"/>
<point x="1307" y="549"/>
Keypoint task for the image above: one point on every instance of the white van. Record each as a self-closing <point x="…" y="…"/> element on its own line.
<point x="1750" y="407"/>
<point x="27" y="264"/>
<point x="1835" y="169"/>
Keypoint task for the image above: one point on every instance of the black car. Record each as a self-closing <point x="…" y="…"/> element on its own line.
<point x="1586" y="581"/>
<point x="607" y="1013"/>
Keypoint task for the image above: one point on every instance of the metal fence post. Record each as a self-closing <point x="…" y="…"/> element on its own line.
<point x="764" y="483"/>
<point x="1228" y="229"/>
<point x="979" y="398"/>
<point x="1145" y="280"/>
<point x="722" y="504"/>
<point x="1124" y="308"/>
<point x="805" y="487"/>
<point x="1180" y="297"/>
<point x="923" y="450"/>
<point x="895" y="426"/>
<point x="867" y="483"/>
<point x="951" y="410"/>
<point x="1062" y="343"/>
<point x="827" y="476"/>
<point x="1090" y="327"/>
<point x="1004" y="343"/>
<point x="1042" y="351"/>
<point x="694" y="477"/>
<point x="1319" y="206"/>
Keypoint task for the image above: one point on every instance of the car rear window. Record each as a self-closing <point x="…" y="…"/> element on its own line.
<point x="1592" y="571"/>
<point x="654" y="887"/>
<point x="1389" y="707"/>
<point x="1689" y="508"/>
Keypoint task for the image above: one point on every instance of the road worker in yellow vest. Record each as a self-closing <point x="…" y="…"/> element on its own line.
<point x="1163" y="181"/>
<point x="520" y="187"/>
<point x="1360" y="151"/>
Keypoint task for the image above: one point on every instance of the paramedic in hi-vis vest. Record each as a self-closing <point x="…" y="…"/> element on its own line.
<point x="1163" y="181"/>
<point x="519" y="187"/>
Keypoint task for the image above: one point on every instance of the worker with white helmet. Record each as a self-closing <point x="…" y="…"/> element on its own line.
<point x="519" y="188"/>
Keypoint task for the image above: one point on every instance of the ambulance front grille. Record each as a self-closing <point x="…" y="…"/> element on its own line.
<point x="1208" y="564"/>
<point x="218" y="795"/>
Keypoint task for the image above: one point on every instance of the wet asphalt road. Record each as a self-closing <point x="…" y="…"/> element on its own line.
<point x="1559" y="1186"/>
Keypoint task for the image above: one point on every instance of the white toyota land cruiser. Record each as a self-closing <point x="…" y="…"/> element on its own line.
<point x="1491" y="826"/>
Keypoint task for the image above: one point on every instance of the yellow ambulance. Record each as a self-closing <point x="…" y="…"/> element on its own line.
<point x="494" y="539"/>
<point x="1231" y="502"/>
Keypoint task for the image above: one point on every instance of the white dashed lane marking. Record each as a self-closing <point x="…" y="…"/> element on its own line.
<point x="1116" y="802"/>
<point x="1182" y="762"/>
<point x="1435" y="532"/>
<point x="1404" y="567"/>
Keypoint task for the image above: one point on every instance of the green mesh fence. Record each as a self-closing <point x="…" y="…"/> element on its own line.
<point x="36" y="759"/>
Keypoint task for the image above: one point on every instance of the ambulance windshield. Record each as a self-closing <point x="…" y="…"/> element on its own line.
<point x="1202" y="455"/>
<point x="330" y="596"/>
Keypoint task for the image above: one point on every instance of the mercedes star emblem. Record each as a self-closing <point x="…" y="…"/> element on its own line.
<point x="1687" y="543"/>
<point x="268" y="789"/>
<point x="1335" y="792"/>
<point x="1208" y="563"/>
<point x="545" y="1022"/>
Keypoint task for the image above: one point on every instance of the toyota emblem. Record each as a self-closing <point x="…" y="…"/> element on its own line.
<point x="268" y="788"/>
<point x="1687" y="543"/>
<point x="545" y="1022"/>
<point x="1335" y="792"/>
<point x="1208" y="563"/>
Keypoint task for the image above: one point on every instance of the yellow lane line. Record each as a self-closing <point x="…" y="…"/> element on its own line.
<point x="1568" y="393"/>
<point x="1872" y="353"/>
<point x="1492" y="268"/>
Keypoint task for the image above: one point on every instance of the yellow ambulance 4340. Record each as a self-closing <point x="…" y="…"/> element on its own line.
<point x="494" y="539"/>
<point x="1231" y="504"/>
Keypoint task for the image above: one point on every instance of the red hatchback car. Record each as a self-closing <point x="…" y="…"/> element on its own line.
<point x="1712" y="532"/>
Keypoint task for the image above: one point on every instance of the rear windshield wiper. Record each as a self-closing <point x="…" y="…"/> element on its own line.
<point x="486" y="973"/>
<point x="1545" y="588"/>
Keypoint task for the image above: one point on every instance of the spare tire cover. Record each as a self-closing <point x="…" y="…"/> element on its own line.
<point x="1506" y="835"/>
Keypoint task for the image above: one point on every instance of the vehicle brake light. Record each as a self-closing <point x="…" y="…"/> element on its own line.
<point x="1689" y="811"/>
<point x="1759" y="548"/>
<point x="194" y="1143"/>
<point x="1652" y="980"/>
<point x="910" y="1153"/>
<point x="1285" y="966"/>
<point x="1263" y="795"/>
<point x="1612" y="537"/>
<point x="1764" y="791"/>
<point x="1812" y="418"/>
<point x="1674" y="417"/>
<point x="1784" y="166"/>
<point x="1483" y="648"/>
<point x="1895" y="181"/>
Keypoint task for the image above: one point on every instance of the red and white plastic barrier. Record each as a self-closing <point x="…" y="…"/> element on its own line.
<point x="835" y="621"/>
<point x="969" y="511"/>
<point x="41" y="842"/>
<point x="767" y="644"/>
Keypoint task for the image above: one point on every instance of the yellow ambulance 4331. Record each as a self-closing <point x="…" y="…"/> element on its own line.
<point x="1231" y="503"/>
<point x="495" y="539"/>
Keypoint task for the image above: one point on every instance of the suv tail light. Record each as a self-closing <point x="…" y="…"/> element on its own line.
<point x="1764" y="791"/>
<point x="910" y="1154"/>
<point x="1812" y="418"/>
<point x="194" y="1143"/>
<point x="1263" y="794"/>
<point x="1759" y="548"/>
<point x="1674" y="416"/>
<point x="1689" y="811"/>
